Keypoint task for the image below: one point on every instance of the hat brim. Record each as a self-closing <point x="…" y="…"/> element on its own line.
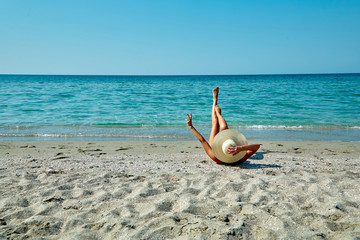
<point x="221" y="137"/>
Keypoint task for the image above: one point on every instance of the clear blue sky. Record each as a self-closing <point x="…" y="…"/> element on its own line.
<point x="179" y="37"/>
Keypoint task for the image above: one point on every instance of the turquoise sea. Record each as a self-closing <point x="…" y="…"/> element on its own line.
<point x="263" y="107"/>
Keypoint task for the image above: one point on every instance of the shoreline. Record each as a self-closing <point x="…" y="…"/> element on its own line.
<point x="172" y="190"/>
<point x="178" y="134"/>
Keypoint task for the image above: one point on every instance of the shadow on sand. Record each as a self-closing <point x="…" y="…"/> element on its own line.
<point x="249" y="165"/>
<point x="260" y="155"/>
<point x="257" y="156"/>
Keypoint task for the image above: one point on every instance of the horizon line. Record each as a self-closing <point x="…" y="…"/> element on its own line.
<point x="169" y="75"/>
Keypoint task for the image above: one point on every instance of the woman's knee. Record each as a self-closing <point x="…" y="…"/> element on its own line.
<point x="223" y="127"/>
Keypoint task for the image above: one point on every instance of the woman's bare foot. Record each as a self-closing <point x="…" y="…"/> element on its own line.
<point x="215" y="92"/>
<point x="215" y="95"/>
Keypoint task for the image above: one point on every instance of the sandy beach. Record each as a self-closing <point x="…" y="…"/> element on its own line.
<point x="172" y="190"/>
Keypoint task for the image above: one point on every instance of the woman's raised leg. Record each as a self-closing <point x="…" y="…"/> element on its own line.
<point x="221" y="120"/>
<point x="214" y="118"/>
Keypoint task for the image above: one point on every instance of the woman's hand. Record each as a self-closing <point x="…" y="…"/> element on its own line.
<point x="189" y="120"/>
<point x="234" y="150"/>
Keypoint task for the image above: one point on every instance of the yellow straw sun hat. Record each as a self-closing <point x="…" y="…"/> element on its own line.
<point x="222" y="142"/>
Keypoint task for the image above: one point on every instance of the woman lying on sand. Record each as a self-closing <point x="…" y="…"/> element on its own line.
<point x="219" y="123"/>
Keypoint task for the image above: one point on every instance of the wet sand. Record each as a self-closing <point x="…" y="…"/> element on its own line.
<point x="172" y="190"/>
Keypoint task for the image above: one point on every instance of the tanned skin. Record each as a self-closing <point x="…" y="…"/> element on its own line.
<point x="219" y="124"/>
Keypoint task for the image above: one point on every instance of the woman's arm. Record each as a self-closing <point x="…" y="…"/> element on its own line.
<point x="249" y="148"/>
<point x="193" y="130"/>
<point x="204" y="143"/>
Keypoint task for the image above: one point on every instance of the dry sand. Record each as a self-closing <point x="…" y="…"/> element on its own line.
<point x="172" y="190"/>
